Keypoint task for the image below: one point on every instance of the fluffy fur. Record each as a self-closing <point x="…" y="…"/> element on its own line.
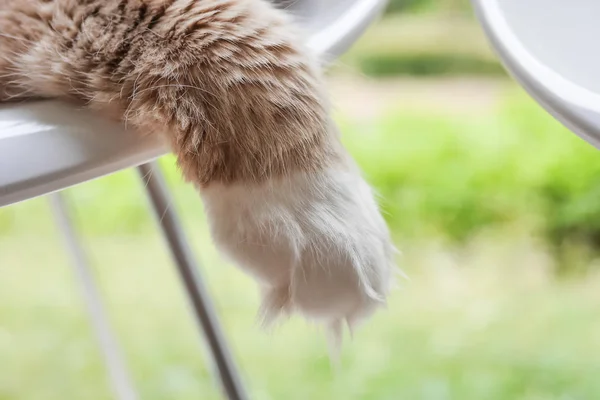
<point x="314" y="241"/>
<point x="231" y="87"/>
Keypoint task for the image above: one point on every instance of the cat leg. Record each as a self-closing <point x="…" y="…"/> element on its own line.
<point x="241" y="102"/>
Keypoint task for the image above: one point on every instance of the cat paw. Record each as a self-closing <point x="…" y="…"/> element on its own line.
<point x="314" y="241"/>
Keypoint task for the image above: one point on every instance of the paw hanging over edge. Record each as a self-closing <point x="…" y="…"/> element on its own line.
<point x="314" y="241"/>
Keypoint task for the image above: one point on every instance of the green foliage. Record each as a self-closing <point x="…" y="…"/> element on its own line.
<point x="459" y="175"/>
<point x="397" y="6"/>
<point x="429" y="6"/>
<point x="424" y="45"/>
<point x="392" y="64"/>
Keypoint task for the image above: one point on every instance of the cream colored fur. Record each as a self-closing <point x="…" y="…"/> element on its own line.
<point x="315" y="242"/>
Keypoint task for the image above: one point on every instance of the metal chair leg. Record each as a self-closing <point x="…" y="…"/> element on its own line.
<point x="119" y="377"/>
<point x="198" y="296"/>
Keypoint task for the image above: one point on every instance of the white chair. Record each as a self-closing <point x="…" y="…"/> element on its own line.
<point x="551" y="48"/>
<point x="48" y="146"/>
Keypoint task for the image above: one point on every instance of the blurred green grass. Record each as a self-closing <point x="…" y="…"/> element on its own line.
<point x="488" y="323"/>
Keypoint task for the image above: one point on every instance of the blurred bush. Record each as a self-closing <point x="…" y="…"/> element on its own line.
<point x="440" y="6"/>
<point x="423" y="45"/>
<point x="455" y="176"/>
